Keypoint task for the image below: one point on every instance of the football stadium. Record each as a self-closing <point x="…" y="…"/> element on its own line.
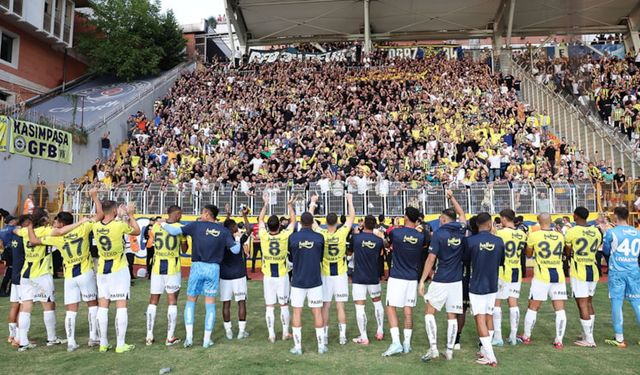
<point x="320" y="186"/>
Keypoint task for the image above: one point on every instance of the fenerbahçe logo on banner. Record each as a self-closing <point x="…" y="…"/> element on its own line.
<point x="38" y="141"/>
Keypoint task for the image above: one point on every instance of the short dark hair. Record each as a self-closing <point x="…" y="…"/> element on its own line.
<point x="39" y="217"/>
<point x="581" y="212"/>
<point x="64" y="217"/>
<point x="213" y="210"/>
<point x="171" y="210"/>
<point x="450" y="213"/>
<point x="369" y="222"/>
<point x="332" y="219"/>
<point x="381" y="218"/>
<point x="22" y="219"/>
<point x="412" y="213"/>
<point x="508" y="214"/>
<point x="483" y="218"/>
<point x="229" y="223"/>
<point x="108" y="206"/>
<point x="273" y="223"/>
<point x="473" y="225"/>
<point x="621" y="213"/>
<point x="306" y="219"/>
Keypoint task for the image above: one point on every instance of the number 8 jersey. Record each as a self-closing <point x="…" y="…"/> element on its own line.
<point x="547" y="247"/>
<point x="110" y="242"/>
<point x="584" y="241"/>
<point x="275" y="249"/>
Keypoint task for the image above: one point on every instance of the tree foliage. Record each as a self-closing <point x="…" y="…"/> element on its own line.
<point x="131" y="38"/>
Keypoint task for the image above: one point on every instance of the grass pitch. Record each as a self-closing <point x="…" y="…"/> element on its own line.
<point x="256" y="355"/>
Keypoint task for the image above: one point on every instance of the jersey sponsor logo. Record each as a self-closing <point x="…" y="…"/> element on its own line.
<point x="103" y="231"/>
<point x="517" y="236"/>
<point x="71" y="236"/>
<point x="14" y="243"/>
<point x="551" y="236"/>
<point x="212" y="232"/>
<point x="589" y="233"/>
<point x="305" y="244"/>
<point x="369" y="244"/>
<point x="630" y="232"/>
<point x="454" y="241"/>
<point x="487" y="246"/>
<point x="315" y="302"/>
<point x="410" y="239"/>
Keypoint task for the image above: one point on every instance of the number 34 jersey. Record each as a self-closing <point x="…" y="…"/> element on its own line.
<point x="166" y="258"/>
<point x="74" y="248"/>
<point x="110" y="242"/>
<point x="547" y="247"/>
<point x="275" y="249"/>
<point x="584" y="242"/>
<point x="515" y="241"/>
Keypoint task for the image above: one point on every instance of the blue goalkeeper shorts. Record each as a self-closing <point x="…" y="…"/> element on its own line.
<point x="624" y="285"/>
<point x="204" y="279"/>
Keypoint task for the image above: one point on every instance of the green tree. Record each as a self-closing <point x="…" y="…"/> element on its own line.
<point x="171" y="41"/>
<point x="125" y="38"/>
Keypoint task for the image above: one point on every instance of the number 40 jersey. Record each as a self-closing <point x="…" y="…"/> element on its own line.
<point x="622" y="244"/>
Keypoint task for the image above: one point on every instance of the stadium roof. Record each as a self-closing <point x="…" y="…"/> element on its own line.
<point x="262" y="22"/>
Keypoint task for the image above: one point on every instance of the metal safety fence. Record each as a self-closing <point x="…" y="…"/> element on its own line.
<point x="381" y="198"/>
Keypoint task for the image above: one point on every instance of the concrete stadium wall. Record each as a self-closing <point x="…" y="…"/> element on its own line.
<point x="19" y="170"/>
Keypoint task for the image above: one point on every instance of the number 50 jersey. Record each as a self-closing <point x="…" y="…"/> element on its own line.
<point x="547" y="247"/>
<point x="275" y="249"/>
<point x="110" y="242"/>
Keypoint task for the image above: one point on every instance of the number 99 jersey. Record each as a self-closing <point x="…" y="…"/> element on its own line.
<point x="110" y="242"/>
<point x="547" y="247"/>
<point x="275" y="249"/>
<point x="515" y="241"/>
<point x="585" y="242"/>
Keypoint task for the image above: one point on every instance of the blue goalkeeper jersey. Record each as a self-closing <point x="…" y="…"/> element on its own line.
<point x="622" y="245"/>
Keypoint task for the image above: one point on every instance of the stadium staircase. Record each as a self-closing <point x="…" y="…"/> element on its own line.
<point x="568" y="121"/>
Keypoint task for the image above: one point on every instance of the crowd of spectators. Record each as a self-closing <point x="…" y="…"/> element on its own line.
<point x="418" y="122"/>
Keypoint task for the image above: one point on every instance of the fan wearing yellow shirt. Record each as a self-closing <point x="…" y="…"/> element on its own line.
<point x="72" y="241"/>
<point x="515" y="241"/>
<point x="274" y="243"/>
<point x="335" y="282"/>
<point x="113" y="279"/>
<point x="36" y="282"/>
<point x="547" y="246"/>
<point x="166" y="274"/>
<point x="583" y="242"/>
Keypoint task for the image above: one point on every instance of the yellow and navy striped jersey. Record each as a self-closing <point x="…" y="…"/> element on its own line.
<point x="166" y="258"/>
<point x="275" y="249"/>
<point x="110" y="242"/>
<point x="547" y="247"/>
<point x="74" y="249"/>
<point x="334" y="261"/>
<point x="37" y="259"/>
<point x="585" y="242"/>
<point x="515" y="242"/>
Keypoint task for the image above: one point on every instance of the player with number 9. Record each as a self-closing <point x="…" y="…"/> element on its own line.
<point x="547" y="246"/>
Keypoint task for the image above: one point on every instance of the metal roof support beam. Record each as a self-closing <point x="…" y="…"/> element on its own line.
<point x="234" y="13"/>
<point x="512" y="10"/>
<point x="633" y="23"/>
<point x="588" y="45"/>
<point x="367" y="28"/>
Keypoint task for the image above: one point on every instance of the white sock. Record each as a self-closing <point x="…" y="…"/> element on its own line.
<point x="93" y="323"/>
<point x="491" y="334"/>
<point x="172" y="320"/>
<point x="514" y="320"/>
<point x="488" y="349"/>
<point x="122" y="321"/>
<point x="432" y="330"/>
<point x="227" y="326"/>
<point x="452" y="331"/>
<point x="242" y="325"/>
<point x="24" y="323"/>
<point x="529" y="322"/>
<point x="407" y="333"/>
<point x="70" y="327"/>
<point x="587" y="329"/>
<point x="13" y="330"/>
<point x="361" y="319"/>
<point x="326" y="334"/>
<point x="207" y="336"/>
<point x="103" y="324"/>
<point x="593" y="322"/>
<point x="151" y="319"/>
<point x="342" y="328"/>
<point x="561" y="325"/>
<point x="297" y="337"/>
<point x="619" y="337"/>
<point x="285" y="318"/>
<point x="497" y="323"/>
<point x="379" y="313"/>
<point x="320" y="336"/>
<point x="188" y="328"/>
<point x="395" y="335"/>
<point x="269" y="318"/>
<point x="50" y="324"/>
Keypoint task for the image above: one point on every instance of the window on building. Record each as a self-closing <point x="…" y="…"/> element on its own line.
<point x="4" y="96"/>
<point x="6" y="48"/>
